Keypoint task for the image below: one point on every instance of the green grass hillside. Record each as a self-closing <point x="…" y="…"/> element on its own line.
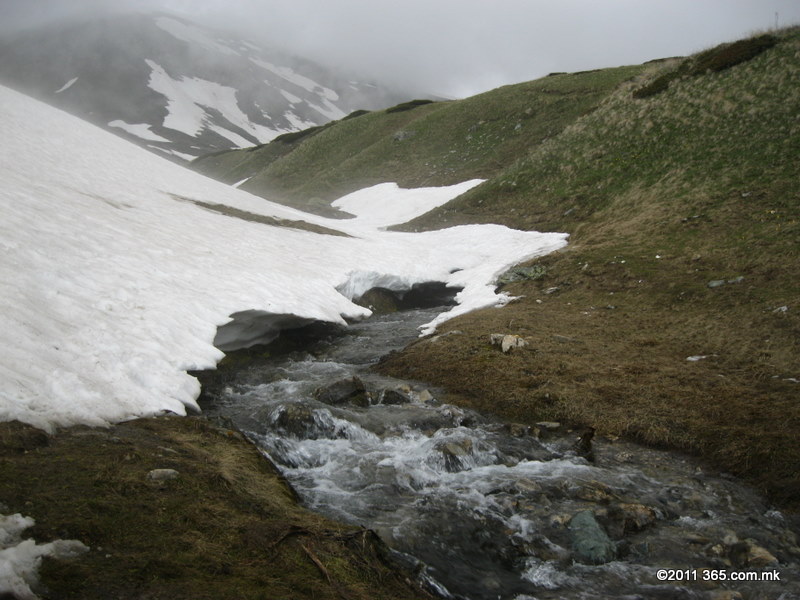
<point x="416" y="144"/>
<point x="678" y="183"/>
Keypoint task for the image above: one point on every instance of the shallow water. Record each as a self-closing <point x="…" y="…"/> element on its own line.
<point x="482" y="509"/>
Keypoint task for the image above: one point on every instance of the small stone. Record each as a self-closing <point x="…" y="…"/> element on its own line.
<point x="453" y="451"/>
<point x="559" y="521"/>
<point x="162" y="475"/>
<point x="507" y="342"/>
<point x="716" y="283"/>
<point x="596" y="492"/>
<point x="694" y="538"/>
<point x="293" y="418"/>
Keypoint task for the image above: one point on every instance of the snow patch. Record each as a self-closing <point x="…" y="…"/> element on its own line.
<point x="328" y="110"/>
<point x="299" y="80"/>
<point x="67" y="85"/>
<point x="297" y="123"/>
<point x="235" y="138"/>
<point x="188" y="97"/>
<point x="291" y="97"/>
<point x="20" y="560"/>
<point x="387" y="204"/>
<point x="140" y="130"/>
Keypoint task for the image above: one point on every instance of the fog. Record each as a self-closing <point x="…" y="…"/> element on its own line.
<point x="455" y="48"/>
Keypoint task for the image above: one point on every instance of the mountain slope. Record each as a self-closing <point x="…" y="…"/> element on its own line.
<point x="176" y="87"/>
<point x="674" y="316"/>
<point x="416" y="144"/>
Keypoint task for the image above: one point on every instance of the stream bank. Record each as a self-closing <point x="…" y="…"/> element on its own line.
<point x="483" y="509"/>
<point x="226" y="525"/>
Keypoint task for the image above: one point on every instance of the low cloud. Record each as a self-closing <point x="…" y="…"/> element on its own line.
<point x="456" y="47"/>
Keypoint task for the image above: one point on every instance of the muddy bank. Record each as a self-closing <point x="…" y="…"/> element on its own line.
<point x="224" y="525"/>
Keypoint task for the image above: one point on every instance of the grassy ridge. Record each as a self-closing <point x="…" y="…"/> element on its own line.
<point x="429" y="144"/>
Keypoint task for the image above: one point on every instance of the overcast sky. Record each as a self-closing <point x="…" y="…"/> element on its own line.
<point x="460" y="47"/>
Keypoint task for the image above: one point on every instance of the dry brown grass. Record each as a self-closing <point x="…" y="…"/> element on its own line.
<point x="609" y="349"/>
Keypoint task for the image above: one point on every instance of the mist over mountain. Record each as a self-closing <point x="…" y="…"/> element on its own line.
<point x="176" y="87"/>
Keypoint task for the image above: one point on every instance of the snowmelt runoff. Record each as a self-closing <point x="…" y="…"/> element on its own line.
<point x="114" y="281"/>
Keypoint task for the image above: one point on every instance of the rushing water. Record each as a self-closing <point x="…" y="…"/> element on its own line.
<point x="484" y="510"/>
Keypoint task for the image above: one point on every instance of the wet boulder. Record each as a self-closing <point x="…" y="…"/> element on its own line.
<point x="454" y="453"/>
<point x="626" y="518"/>
<point x="294" y="419"/>
<point x="521" y="448"/>
<point x="749" y="554"/>
<point x="345" y="391"/>
<point x="590" y="543"/>
<point x="394" y="396"/>
<point x="380" y="301"/>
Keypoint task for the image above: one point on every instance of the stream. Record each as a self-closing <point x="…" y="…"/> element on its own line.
<point x="481" y="509"/>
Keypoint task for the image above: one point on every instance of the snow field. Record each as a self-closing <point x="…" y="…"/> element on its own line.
<point x="113" y="283"/>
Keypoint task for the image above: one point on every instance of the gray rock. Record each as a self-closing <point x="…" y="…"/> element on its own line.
<point x="162" y="475"/>
<point x="351" y="391"/>
<point x="590" y="543"/>
<point x="453" y="452"/>
<point x="380" y="301"/>
<point x="399" y="136"/>
<point x="507" y="342"/>
<point x="522" y="274"/>
<point x="294" y="419"/>
<point x="394" y="397"/>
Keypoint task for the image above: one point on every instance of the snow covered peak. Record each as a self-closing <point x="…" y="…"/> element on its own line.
<point x="178" y="88"/>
